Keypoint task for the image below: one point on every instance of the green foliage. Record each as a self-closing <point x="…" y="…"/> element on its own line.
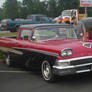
<point x="22" y="10"/>
<point x="0" y="13"/>
<point x="10" y="9"/>
<point x="67" y="4"/>
<point x="90" y="11"/>
<point x="35" y="7"/>
<point x="2" y="55"/>
<point x="53" y="8"/>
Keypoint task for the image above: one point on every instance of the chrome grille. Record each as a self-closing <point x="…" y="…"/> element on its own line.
<point x="82" y="61"/>
<point x="83" y="68"/>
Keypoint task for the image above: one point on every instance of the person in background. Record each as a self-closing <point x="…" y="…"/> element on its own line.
<point x="59" y="20"/>
<point x="66" y="20"/>
<point x="74" y="19"/>
<point x="79" y="28"/>
<point x="90" y="33"/>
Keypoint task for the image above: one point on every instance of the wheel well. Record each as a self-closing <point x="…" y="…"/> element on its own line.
<point x="37" y="59"/>
<point x="33" y="59"/>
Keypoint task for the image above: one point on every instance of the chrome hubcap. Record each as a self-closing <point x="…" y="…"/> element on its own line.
<point x="46" y="70"/>
<point x="8" y="60"/>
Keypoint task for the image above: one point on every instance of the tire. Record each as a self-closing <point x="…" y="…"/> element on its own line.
<point x="47" y="71"/>
<point x="8" y="61"/>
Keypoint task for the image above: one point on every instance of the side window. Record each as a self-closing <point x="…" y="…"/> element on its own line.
<point x="37" y="18"/>
<point x="25" y="34"/>
<point x="79" y="30"/>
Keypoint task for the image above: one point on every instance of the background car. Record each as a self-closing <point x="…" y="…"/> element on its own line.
<point x="18" y="19"/>
<point x="87" y="23"/>
<point x="4" y="24"/>
<point x="84" y="26"/>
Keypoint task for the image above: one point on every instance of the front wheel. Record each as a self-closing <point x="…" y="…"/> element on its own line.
<point x="47" y="72"/>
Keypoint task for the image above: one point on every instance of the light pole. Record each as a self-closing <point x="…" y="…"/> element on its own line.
<point x="86" y="11"/>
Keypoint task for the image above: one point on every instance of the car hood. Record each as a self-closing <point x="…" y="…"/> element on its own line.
<point x="78" y="46"/>
<point x="61" y="44"/>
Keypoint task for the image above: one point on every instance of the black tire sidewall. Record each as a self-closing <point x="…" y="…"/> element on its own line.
<point x="52" y="77"/>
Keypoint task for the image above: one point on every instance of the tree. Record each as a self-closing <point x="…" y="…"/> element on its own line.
<point x="0" y="13"/>
<point x="90" y="11"/>
<point x="66" y="5"/>
<point x="52" y="8"/>
<point x="60" y="6"/>
<point x="34" y="7"/>
<point x="10" y="9"/>
<point x="22" y="10"/>
<point x="14" y="9"/>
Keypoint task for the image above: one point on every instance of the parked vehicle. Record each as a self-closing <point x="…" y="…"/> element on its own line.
<point x="55" y="19"/>
<point x="32" y="19"/>
<point x="4" y="24"/>
<point x="18" y="19"/>
<point x="52" y="48"/>
<point x="84" y="26"/>
<point x="70" y="13"/>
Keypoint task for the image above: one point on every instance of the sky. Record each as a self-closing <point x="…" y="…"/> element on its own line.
<point x="2" y="1"/>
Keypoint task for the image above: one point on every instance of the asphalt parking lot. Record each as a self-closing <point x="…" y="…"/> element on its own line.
<point x="19" y="80"/>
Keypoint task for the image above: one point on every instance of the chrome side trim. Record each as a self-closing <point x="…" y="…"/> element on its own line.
<point x="60" y="67"/>
<point x="83" y="65"/>
<point x="83" y="71"/>
<point x="73" y="59"/>
<point x="36" y="50"/>
<point x="67" y="67"/>
<point x="11" y="50"/>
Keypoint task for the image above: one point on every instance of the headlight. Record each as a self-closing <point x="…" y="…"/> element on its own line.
<point x="66" y="52"/>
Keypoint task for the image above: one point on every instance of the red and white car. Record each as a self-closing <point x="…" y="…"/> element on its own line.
<point x="52" y="48"/>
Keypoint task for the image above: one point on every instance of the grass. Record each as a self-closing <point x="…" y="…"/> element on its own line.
<point x="8" y="34"/>
<point x="2" y="55"/>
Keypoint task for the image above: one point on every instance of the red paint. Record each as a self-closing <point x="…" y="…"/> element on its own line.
<point x="53" y="46"/>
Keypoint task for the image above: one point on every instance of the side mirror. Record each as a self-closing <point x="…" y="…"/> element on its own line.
<point x="33" y="38"/>
<point x="81" y="34"/>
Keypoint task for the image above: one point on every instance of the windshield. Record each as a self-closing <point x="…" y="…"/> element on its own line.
<point x="54" y="33"/>
<point x="42" y="18"/>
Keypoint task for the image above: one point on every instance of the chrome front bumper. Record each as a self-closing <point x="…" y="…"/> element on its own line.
<point x="72" y="69"/>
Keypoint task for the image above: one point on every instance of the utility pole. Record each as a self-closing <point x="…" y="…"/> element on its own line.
<point x="86" y="11"/>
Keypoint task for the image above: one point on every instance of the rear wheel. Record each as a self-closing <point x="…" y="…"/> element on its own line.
<point x="8" y="61"/>
<point x="47" y="72"/>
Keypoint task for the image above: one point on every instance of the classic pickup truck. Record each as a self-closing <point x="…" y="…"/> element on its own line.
<point x="13" y="25"/>
<point x="52" y="48"/>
